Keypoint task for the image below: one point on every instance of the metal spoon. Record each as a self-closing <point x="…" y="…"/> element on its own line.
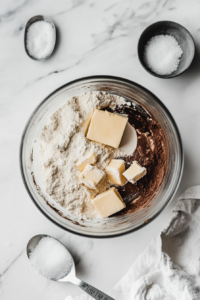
<point x="71" y="277"/>
<point x="28" y="24"/>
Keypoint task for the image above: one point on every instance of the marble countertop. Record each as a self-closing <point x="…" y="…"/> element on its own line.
<point x="94" y="38"/>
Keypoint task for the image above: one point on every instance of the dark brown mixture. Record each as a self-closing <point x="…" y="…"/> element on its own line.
<point x="151" y="153"/>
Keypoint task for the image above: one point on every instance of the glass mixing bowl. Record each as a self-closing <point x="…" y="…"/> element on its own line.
<point x="113" y="226"/>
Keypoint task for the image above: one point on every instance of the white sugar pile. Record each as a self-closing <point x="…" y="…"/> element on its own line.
<point x="40" y="39"/>
<point x="51" y="259"/>
<point x="162" y="54"/>
<point x="62" y="143"/>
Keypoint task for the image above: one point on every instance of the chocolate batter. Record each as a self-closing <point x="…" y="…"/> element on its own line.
<point x="151" y="153"/>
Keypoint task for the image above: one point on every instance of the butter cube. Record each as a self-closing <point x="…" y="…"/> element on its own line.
<point x="91" y="176"/>
<point x="86" y="123"/>
<point x="106" y="128"/>
<point x="114" y="171"/>
<point x="108" y="203"/>
<point x="135" y="172"/>
<point x="88" y="159"/>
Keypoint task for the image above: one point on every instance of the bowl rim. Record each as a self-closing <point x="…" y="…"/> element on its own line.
<point x="127" y="81"/>
<point x="165" y="76"/>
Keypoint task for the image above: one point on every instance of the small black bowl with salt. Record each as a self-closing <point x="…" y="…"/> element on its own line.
<point x="166" y="49"/>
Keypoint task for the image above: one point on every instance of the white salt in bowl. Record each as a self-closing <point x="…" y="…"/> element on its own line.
<point x="35" y="50"/>
<point x="114" y="225"/>
<point x="183" y="37"/>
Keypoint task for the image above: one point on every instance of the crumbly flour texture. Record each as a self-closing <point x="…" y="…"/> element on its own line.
<point x="62" y="143"/>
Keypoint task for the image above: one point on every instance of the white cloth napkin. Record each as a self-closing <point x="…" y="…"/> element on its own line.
<point x="169" y="268"/>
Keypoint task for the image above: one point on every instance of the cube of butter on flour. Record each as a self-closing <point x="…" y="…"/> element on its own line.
<point x="91" y="176"/>
<point x="86" y="123"/>
<point x="108" y="203"/>
<point x="106" y="128"/>
<point x="135" y="172"/>
<point x="88" y="159"/>
<point x="114" y="172"/>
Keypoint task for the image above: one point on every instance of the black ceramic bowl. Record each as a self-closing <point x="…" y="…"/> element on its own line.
<point x="183" y="37"/>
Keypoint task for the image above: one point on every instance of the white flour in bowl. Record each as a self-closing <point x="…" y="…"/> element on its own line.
<point x="62" y="143"/>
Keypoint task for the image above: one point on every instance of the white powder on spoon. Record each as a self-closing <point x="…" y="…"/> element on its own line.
<point x="162" y="54"/>
<point x="51" y="259"/>
<point x="40" y="39"/>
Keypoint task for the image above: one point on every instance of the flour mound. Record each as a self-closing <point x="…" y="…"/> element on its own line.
<point x="62" y="143"/>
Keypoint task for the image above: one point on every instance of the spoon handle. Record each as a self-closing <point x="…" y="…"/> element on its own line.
<point x="92" y="291"/>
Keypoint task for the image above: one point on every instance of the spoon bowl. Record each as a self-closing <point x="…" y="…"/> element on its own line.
<point x="34" y="241"/>
<point x="71" y="276"/>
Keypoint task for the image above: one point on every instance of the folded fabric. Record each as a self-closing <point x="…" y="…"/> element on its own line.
<point x="169" y="268"/>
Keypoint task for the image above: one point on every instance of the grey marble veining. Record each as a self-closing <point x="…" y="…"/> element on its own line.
<point x="94" y="38"/>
